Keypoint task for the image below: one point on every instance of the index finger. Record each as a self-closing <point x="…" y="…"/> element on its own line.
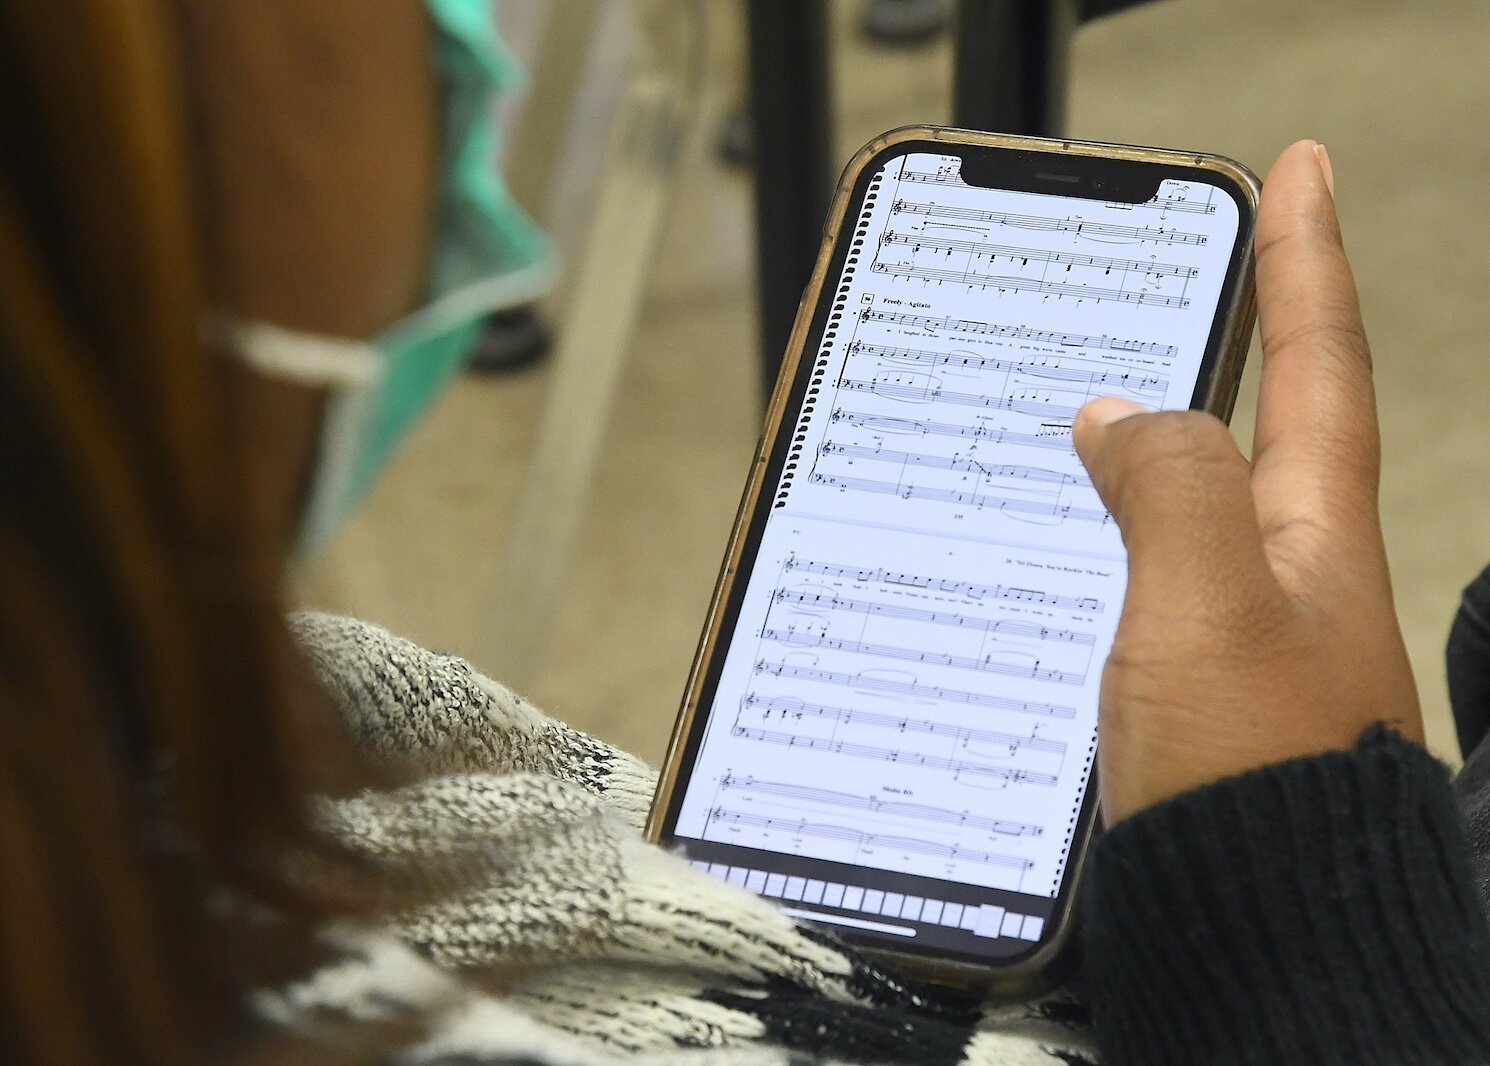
<point x="1316" y="451"/>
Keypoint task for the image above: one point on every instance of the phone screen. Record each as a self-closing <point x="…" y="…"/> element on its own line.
<point x="902" y="724"/>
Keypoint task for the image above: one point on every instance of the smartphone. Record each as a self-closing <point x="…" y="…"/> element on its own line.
<point x="891" y="723"/>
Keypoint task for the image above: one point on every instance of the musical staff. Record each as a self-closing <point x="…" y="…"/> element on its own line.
<point x="941" y="176"/>
<point x="794" y="708"/>
<point x="948" y="585"/>
<point x="1024" y="256"/>
<point x="912" y="758"/>
<point x="1166" y="204"/>
<point x="955" y="462"/>
<point x="913" y="688"/>
<point x="928" y="393"/>
<point x="1009" y="627"/>
<point x="1111" y="377"/>
<point x="986" y="664"/>
<point x="920" y="812"/>
<point x="987" y="329"/>
<point x="1055" y="436"/>
<point x="1041" y="223"/>
<point x="1010" y="505"/>
<point x="803" y="827"/>
<point x="1010" y="283"/>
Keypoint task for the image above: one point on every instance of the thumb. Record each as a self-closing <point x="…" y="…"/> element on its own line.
<point x="1180" y="493"/>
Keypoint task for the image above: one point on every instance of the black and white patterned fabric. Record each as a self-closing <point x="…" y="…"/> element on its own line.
<point x="525" y="837"/>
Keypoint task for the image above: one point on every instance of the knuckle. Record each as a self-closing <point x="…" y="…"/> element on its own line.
<point x="1355" y="445"/>
<point x="1333" y="331"/>
<point x="1293" y="539"/>
<point x="1274" y="243"/>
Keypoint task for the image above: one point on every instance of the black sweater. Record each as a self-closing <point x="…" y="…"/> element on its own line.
<point x="1321" y="911"/>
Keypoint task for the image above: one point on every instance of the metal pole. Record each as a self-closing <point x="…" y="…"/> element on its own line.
<point x="1011" y="65"/>
<point x="792" y="122"/>
<point x="642" y="160"/>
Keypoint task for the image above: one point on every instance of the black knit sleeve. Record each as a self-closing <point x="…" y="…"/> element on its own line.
<point x="1320" y="911"/>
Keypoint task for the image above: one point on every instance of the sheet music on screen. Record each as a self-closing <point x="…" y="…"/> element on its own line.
<point x="912" y="682"/>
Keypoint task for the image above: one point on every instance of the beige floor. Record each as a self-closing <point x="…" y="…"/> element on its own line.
<point x="1398" y="91"/>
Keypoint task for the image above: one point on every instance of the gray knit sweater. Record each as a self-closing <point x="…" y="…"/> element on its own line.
<point x="605" y="949"/>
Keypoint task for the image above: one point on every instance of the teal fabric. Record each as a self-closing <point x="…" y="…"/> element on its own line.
<point x="481" y="238"/>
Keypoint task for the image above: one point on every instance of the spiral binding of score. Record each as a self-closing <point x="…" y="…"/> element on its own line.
<point x="1060" y="866"/>
<point x="825" y="350"/>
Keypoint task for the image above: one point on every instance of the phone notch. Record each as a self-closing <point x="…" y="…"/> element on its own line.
<point x="1062" y="174"/>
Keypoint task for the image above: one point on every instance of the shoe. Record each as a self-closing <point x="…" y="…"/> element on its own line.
<point x="905" y="22"/>
<point x="512" y="340"/>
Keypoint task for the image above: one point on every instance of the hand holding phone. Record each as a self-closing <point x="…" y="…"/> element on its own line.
<point x="891" y="726"/>
<point x="1258" y="623"/>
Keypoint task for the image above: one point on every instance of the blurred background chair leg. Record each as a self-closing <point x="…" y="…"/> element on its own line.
<point x="609" y="284"/>
<point x="791" y="113"/>
<point x="1011" y="65"/>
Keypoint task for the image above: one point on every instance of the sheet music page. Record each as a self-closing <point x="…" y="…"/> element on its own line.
<point x="912" y="683"/>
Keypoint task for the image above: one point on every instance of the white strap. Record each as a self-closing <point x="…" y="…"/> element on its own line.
<point x="309" y="358"/>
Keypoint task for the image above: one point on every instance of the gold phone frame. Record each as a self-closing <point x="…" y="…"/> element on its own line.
<point x="1040" y="969"/>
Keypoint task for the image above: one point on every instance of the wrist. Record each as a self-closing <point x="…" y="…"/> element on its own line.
<point x="1320" y="909"/>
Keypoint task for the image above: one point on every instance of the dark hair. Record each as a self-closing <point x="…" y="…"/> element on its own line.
<point x="138" y="613"/>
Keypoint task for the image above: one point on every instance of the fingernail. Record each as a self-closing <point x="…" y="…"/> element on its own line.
<point x="1109" y="409"/>
<point x="1324" y="165"/>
